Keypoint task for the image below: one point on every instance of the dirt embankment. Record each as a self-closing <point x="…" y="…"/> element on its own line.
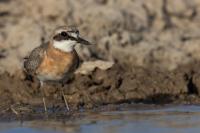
<point x="119" y="84"/>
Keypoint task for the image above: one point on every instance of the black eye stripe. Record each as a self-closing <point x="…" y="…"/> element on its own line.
<point x="64" y="36"/>
<point x="72" y="38"/>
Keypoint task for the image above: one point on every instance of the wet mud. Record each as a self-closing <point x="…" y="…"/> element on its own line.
<point x="120" y="84"/>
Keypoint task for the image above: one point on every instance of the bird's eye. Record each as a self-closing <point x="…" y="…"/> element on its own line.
<point x="77" y="32"/>
<point x="63" y="33"/>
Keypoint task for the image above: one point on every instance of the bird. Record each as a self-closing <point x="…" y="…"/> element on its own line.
<point x="56" y="59"/>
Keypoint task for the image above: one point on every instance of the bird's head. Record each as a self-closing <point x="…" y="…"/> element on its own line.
<point x="65" y="38"/>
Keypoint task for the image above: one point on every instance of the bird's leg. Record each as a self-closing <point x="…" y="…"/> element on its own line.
<point x="65" y="100"/>
<point x="43" y="95"/>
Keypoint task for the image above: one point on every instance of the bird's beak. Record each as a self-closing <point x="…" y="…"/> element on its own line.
<point x="83" y="41"/>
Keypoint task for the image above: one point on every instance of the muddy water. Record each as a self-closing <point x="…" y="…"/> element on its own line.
<point x="182" y="119"/>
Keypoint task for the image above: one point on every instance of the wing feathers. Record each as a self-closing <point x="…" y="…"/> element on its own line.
<point x="32" y="62"/>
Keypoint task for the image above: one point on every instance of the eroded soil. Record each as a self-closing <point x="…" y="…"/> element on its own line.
<point x="119" y="84"/>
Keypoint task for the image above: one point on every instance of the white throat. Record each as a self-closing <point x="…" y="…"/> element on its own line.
<point x="66" y="46"/>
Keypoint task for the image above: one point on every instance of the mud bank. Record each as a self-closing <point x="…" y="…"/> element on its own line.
<point x="118" y="85"/>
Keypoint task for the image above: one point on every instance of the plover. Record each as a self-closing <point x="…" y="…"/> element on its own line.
<point x="56" y="59"/>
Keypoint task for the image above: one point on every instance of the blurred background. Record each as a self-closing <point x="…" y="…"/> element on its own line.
<point x="159" y="33"/>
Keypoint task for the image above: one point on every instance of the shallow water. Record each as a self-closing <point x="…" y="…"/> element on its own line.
<point x="177" y="119"/>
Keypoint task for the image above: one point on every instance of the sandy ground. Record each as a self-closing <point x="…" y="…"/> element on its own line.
<point x="151" y="47"/>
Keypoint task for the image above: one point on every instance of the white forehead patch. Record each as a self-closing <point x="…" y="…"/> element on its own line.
<point x="74" y="35"/>
<point x="65" y="45"/>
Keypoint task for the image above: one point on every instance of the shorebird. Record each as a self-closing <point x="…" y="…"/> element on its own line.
<point x="56" y="59"/>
